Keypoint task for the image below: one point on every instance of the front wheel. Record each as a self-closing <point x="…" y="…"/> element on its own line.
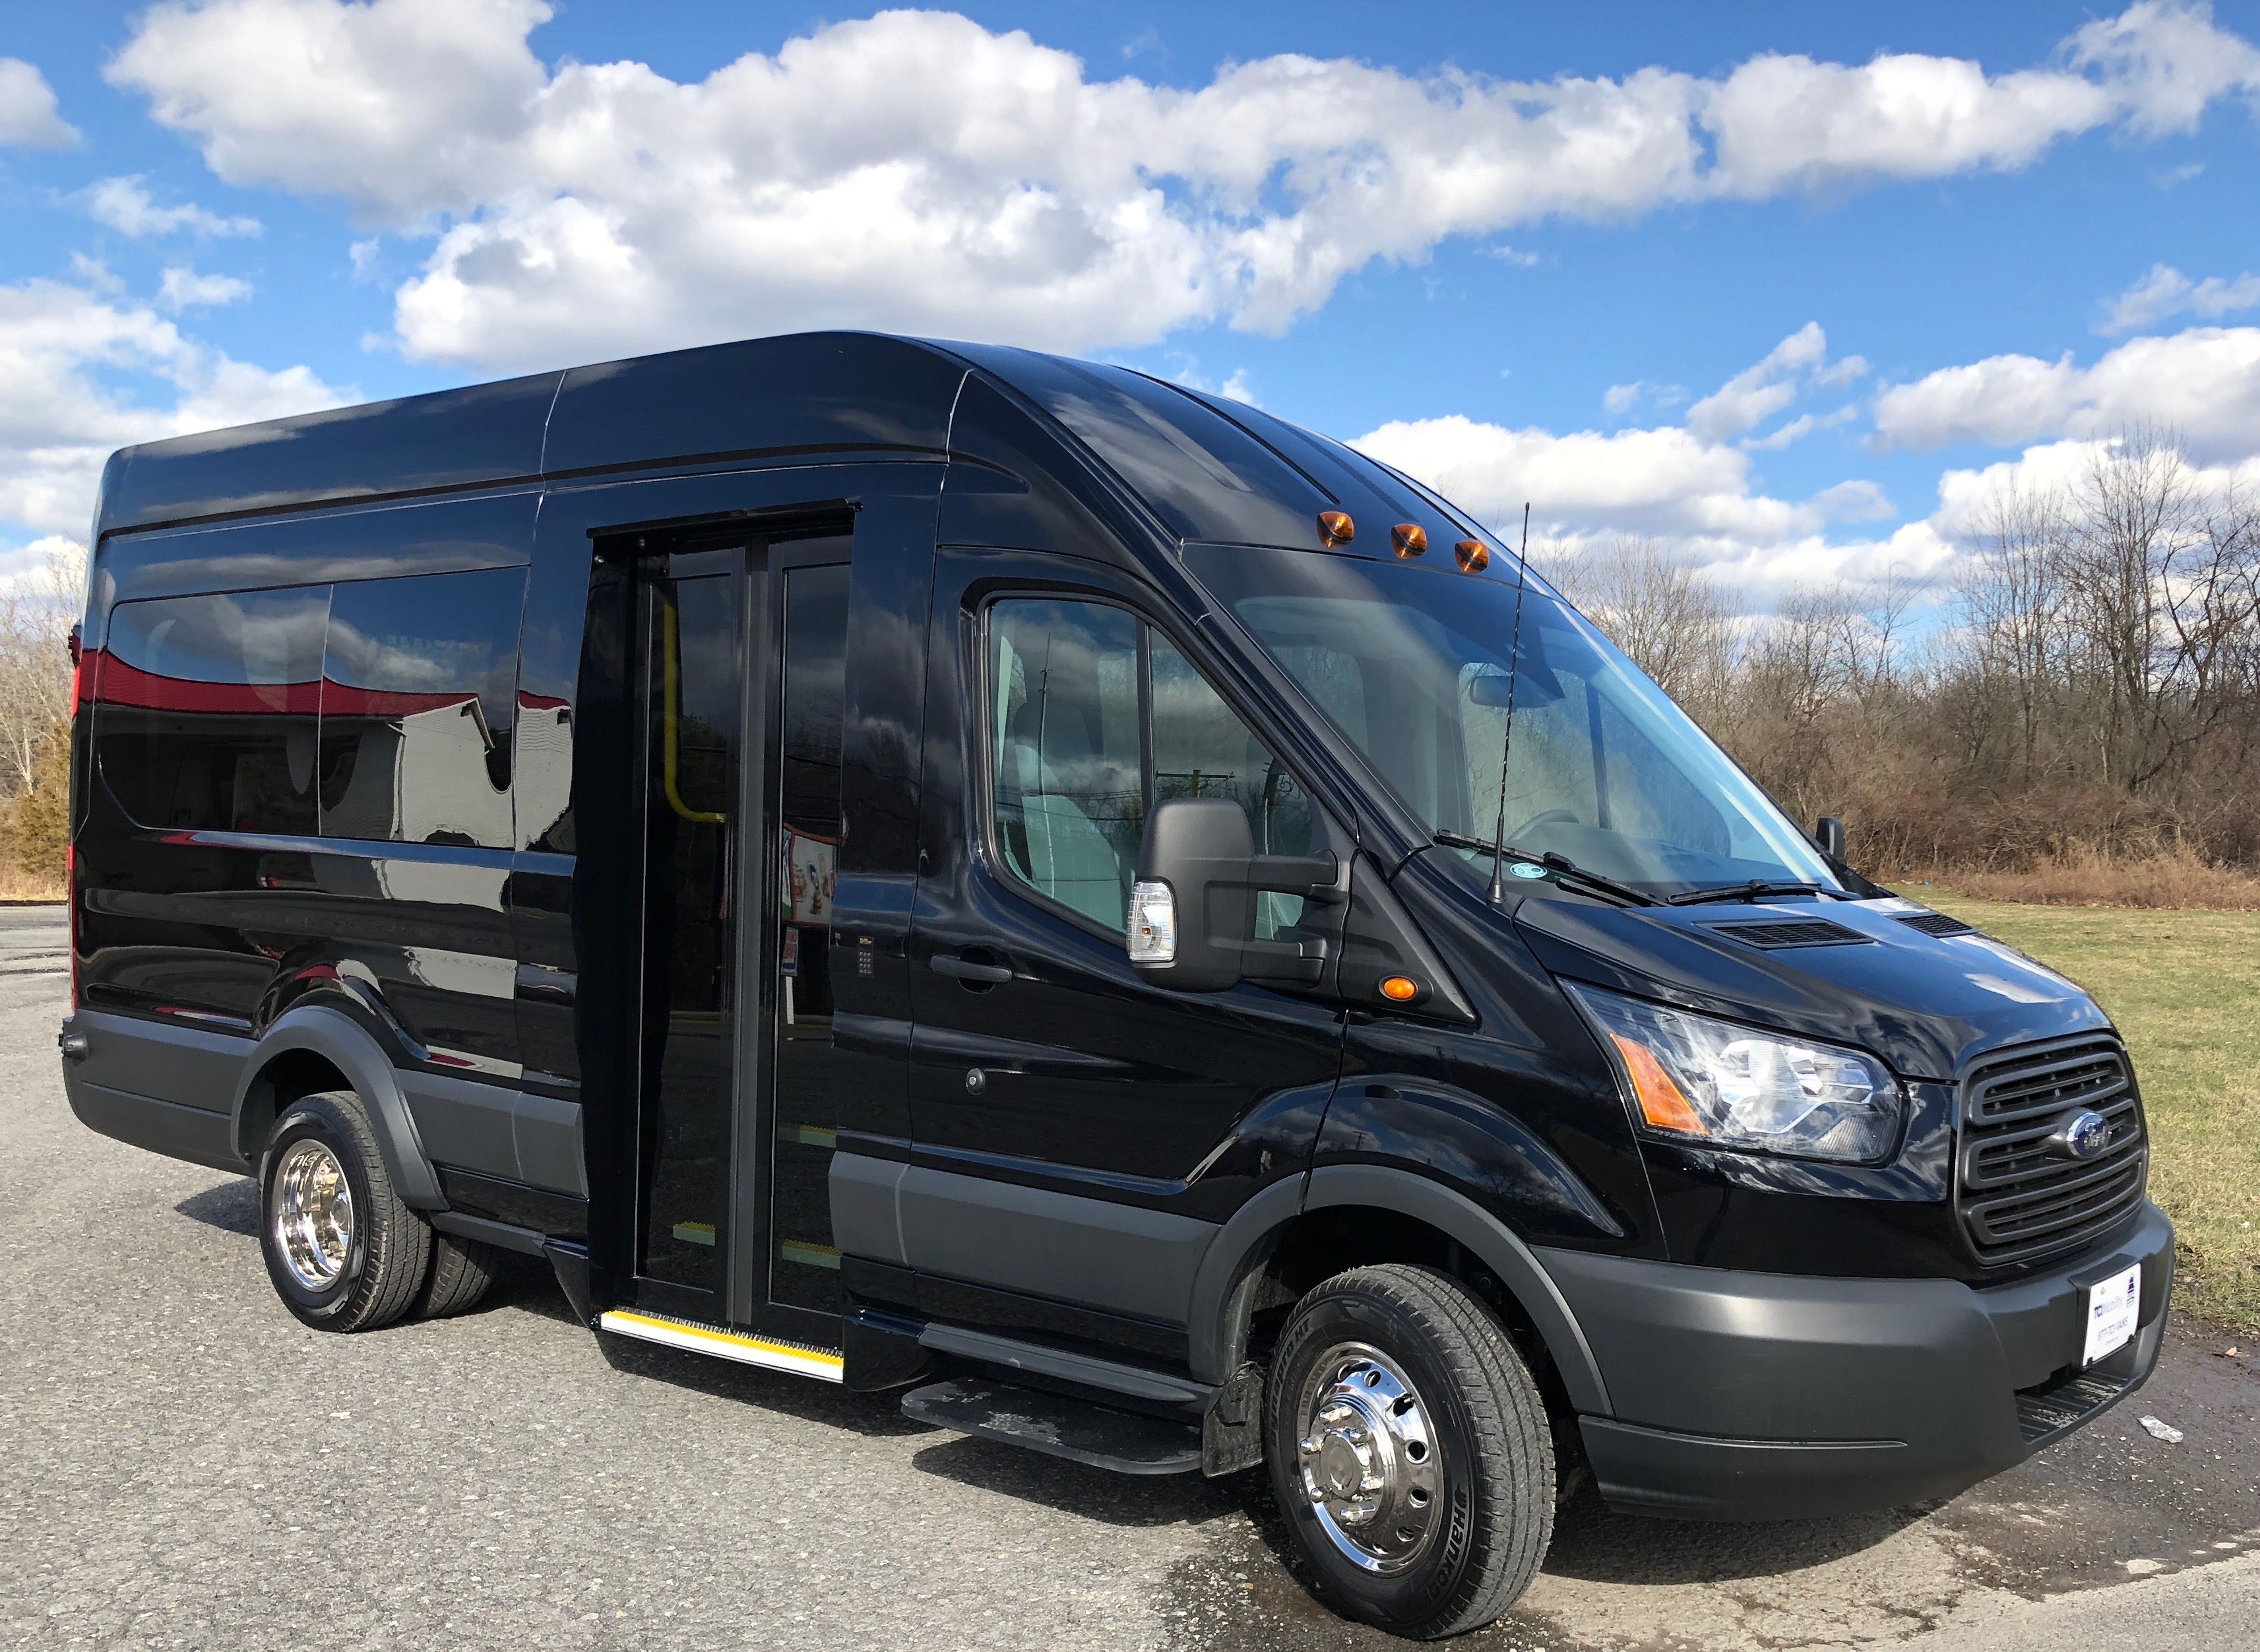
<point x="1409" y="1451"/>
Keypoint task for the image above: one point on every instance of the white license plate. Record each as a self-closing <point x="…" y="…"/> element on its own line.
<point x="2113" y="1307"/>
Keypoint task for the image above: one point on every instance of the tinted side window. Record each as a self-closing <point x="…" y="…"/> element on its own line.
<point x="1068" y="796"/>
<point x="419" y="682"/>
<point x="207" y="721"/>
<point x="1093" y="718"/>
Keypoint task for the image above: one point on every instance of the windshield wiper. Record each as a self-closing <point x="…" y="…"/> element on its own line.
<point x="1565" y="870"/>
<point x="1757" y="889"/>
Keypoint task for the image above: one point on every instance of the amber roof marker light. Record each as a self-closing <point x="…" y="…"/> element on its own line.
<point x="1474" y="554"/>
<point x="1409" y="539"/>
<point x="1335" y="528"/>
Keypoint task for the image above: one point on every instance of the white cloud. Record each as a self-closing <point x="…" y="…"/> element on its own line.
<point x="2205" y="382"/>
<point x="125" y="206"/>
<point x="86" y="374"/>
<point x="599" y="207"/>
<point x="1620" y="399"/>
<point x="184" y="288"/>
<point x="28" y="115"/>
<point x="1759" y="391"/>
<point x="1664" y="481"/>
<point x="1964" y="495"/>
<point x="2165" y="291"/>
<point x="1803" y="426"/>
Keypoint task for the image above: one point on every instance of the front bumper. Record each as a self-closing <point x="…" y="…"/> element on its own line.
<point x="1748" y="1396"/>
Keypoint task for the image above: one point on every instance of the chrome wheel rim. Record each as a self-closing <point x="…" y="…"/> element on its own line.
<point x="312" y="1215"/>
<point x="1368" y="1460"/>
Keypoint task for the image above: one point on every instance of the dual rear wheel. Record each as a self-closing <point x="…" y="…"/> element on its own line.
<point x="345" y="1252"/>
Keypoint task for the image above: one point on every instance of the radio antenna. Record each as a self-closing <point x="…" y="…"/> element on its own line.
<point x="1506" y="740"/>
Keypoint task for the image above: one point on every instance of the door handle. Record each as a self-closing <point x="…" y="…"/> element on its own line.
<point x="967" y="969"/>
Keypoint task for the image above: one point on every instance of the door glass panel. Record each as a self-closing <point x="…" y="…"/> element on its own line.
<point x="805" y="1269"/>
<point x="1069" y="772"/>
<point x="693" y="692"/>
<point x="1202" y="749"/>
<point x="1068" y="793"/>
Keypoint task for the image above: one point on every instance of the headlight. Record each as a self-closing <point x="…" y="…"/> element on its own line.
<point x="1696" y="1079"/>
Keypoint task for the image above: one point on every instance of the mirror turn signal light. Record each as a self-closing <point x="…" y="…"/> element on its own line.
<point x="1474" y="554"/>
<point x="1661" y="1102"/>
<point x="1410" y="539"/>
<point x="1335" y="528"/>
<point x="1400" y="989"/>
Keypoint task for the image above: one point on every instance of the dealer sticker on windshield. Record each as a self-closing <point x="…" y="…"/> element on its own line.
<point x="2114" y="1305"/>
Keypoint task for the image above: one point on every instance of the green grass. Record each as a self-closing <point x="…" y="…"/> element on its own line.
<point x="2183" y="987"/>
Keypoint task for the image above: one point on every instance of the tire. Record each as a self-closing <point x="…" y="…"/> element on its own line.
<point x="344" y="1252"/>
<point x="461" y="1272"/>
<point x="1404" y="1381"/>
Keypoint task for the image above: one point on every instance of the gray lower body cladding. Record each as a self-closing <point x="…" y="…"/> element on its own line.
<point x="1741" y="1395"/>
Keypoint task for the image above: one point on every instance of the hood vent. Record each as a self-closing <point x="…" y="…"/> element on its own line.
<point x="1789" y="932"/>
<point x="1937" y="924"/>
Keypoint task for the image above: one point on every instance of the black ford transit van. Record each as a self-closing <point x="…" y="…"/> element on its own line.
<point x="943" y="868"/>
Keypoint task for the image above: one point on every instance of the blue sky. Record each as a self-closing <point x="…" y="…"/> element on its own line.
<point x="1788" y="287"/>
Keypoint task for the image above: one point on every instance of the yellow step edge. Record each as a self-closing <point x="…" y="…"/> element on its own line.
<point x="729" y="1345"/>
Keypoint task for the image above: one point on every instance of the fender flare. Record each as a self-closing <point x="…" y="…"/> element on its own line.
<point x="1218" y="1322"/>
<point x="346" y="1044"/>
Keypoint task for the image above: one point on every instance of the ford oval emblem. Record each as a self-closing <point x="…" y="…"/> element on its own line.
<point x="2082" y="1134"/>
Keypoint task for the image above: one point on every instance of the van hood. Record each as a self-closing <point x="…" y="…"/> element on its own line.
<point x="1852" y="972"/>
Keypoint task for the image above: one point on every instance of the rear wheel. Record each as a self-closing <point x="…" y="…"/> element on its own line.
<point x="461" y="1272"/>
<point x="1409" y="1451"/>
<point x="345" y="1253"/>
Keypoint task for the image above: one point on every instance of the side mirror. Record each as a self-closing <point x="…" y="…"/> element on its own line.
<point x="1193" y="908"/>
<point x="1828" y="833"/>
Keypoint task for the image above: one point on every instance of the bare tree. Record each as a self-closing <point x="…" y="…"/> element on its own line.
<point x="1674" y="619"/>
<point x="35" y="615"/>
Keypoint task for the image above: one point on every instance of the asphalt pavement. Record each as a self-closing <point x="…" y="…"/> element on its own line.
<point x="183" y="1464"/>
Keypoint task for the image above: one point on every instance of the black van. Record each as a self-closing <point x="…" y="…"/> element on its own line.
<point x="940" y="868"/>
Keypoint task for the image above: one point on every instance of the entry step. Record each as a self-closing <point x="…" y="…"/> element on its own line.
<point x="743" y="1345"/>
<point x="1057" y="1425"/>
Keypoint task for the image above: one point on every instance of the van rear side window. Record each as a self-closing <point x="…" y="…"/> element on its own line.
<point x="377" y="710"/>
<point x="208" y="708"/>
<point x="418" y="685"/>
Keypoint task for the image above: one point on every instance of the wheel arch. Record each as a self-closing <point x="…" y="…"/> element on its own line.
<point x="314" y="1048"/>
<point x="1254" y="1250"/>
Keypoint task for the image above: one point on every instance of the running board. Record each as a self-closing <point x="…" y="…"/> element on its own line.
<point x="1057" y="1425"/>
<point x="765" y="1351"/>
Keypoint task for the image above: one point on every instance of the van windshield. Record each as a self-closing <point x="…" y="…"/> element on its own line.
<point x="1410" y="664"/>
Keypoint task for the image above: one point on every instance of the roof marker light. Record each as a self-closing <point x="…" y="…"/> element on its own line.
<point x="1335" y="528"/>
<point x="1474" y="554"/>
<point x="1410" y="539"/>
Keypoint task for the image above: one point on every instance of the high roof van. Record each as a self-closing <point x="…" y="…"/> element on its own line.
<point x="950" y="870"/>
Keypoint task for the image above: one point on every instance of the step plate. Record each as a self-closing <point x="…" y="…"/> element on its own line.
<point x="802" y="1361"/>
<point x="1059" y="1426"/>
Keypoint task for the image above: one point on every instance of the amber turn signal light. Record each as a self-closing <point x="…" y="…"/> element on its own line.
<point x="1474" y="554"/>
<point x="1400" y="989"/>
<point x="1335" y="528"/>
<point x="1410" y="539"/>
<point x="1661" y="1102"/>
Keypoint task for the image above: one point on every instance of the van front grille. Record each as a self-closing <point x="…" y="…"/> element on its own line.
<point x="2021" y="1196"/>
